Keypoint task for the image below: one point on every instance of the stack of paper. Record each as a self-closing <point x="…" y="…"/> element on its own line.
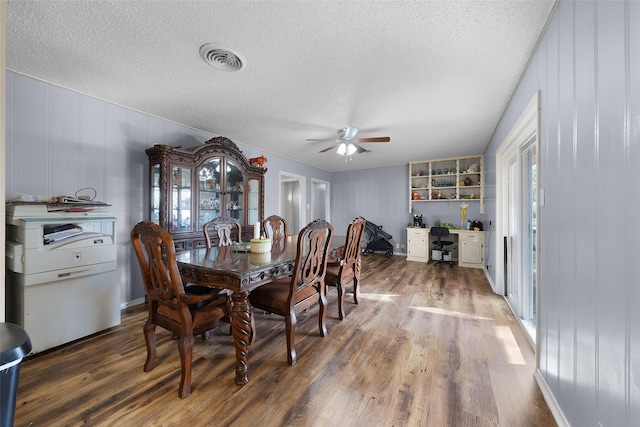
<point x="54" y="233"/>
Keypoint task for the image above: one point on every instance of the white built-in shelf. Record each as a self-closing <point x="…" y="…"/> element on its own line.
<point x="458" y="178"/>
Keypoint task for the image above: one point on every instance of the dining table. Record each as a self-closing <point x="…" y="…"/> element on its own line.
<point x="238" y="269"/>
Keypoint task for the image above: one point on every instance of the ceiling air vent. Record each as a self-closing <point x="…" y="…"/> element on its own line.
<point x="221" y="59"/>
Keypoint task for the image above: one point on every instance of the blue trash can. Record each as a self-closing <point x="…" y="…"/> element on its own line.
<point x="14" y="345"/>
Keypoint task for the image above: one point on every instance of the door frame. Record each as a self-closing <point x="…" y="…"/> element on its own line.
<point x="302" y="181"/>
<point x="327" y="198"/>
<point x="527" y="125"/>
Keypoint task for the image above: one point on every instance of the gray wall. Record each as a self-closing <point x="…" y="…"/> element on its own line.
<point x="59" y="141"/>
<point x="382" y="197"/>
<point x="587" y="68"/>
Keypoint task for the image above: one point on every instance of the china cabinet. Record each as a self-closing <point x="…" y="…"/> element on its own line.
<point x="191" y="186"/>
<point x="446" y="179"/>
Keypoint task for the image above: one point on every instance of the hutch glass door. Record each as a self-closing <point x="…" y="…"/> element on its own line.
<point x="234" y="193"/>
<point x="209" y="191"/>
<point x="181" y="212"/>
<point x="155" y="193"/>
<point x="254" y="201"/>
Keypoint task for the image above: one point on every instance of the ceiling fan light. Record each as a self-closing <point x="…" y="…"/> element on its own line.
<point x="342" y="149"/>
<point x="351" y="149"/>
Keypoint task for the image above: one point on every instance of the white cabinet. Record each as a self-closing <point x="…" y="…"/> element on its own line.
<point x="446" y="179"/>
<point x="471" y="247"/>
<point x="468" y="245"/>
<point x="418" y="244"/>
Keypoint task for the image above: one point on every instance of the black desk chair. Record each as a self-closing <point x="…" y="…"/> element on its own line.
<point x="441" y="232"/>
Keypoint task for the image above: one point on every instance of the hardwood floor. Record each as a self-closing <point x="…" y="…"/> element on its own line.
<point x="426" y="346"/>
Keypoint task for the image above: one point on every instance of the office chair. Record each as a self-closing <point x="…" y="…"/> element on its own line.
<point x="441" y="232"/>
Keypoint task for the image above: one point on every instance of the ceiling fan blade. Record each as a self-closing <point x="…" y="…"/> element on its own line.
<point x="376" y="139"/>
<point x="321" y="140"/>
<point x="360" y="149"/>
<point x="327" y="149"/>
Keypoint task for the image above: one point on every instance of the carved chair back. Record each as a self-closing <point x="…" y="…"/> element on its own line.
<point x="275" y="228"/>
<point x="156" y="255"/>
<point x="352" y="259"/>
<point x="314" y="242"/>
<point x="222" y="228"/>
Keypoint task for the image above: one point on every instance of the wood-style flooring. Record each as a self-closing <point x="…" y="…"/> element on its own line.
<point x="427" y="346"/>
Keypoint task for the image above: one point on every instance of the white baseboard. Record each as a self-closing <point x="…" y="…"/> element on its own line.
<point x="131" y="303"/>
<point x="489" y="278"/>
<point x="550" y="399"/>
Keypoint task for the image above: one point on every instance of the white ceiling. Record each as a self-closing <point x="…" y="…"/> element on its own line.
<point x="435" y="76"/>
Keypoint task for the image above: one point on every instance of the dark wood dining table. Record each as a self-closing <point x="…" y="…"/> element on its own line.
<point x="237" y="269"/>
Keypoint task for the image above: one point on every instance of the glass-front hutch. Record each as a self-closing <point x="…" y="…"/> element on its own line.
<point x="192" y="186"/>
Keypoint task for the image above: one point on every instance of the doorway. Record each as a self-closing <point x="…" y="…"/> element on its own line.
<point x="320" y="199"/>
<point x="292" y="200"/>
<point x="517" y="214"/>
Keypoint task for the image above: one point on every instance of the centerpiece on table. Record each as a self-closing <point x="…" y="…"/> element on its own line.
<point x="259" y="244"/>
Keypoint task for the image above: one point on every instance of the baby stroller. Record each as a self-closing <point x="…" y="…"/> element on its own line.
<point x="378" y="240"/>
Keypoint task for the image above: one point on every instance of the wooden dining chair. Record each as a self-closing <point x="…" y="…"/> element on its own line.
<point x="304" y="288"/>
<point x="182" y="313"/>
<point x="275" y="227"/>
<point x="221" y="228"/>
<point x="347" y="267"/>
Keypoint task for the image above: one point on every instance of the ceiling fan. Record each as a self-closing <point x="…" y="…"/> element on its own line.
<point x="347" y="142"/>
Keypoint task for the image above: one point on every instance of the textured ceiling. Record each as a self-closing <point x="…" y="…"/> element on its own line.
<point x="435" y="76"/>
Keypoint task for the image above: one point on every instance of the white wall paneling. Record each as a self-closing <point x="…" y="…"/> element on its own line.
<point x="586" y="67"/>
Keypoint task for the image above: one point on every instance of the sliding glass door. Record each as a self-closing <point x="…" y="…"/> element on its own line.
<point x="520" y="242"/>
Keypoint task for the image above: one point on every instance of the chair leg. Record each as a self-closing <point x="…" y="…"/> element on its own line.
<point x="150" y="340"/>
<point x="185" y="346"/>
<point x="254" y="335"/>
<point x="355" y="289"/>
<point x="207" y="334"/>
<point x="290" y="323"/>
<point x="340" y="288"/>
<point x="451" y="258"/>
<point x="322" y="315"/>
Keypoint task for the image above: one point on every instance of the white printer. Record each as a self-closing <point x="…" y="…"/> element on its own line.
<point x="62" y="281"/>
